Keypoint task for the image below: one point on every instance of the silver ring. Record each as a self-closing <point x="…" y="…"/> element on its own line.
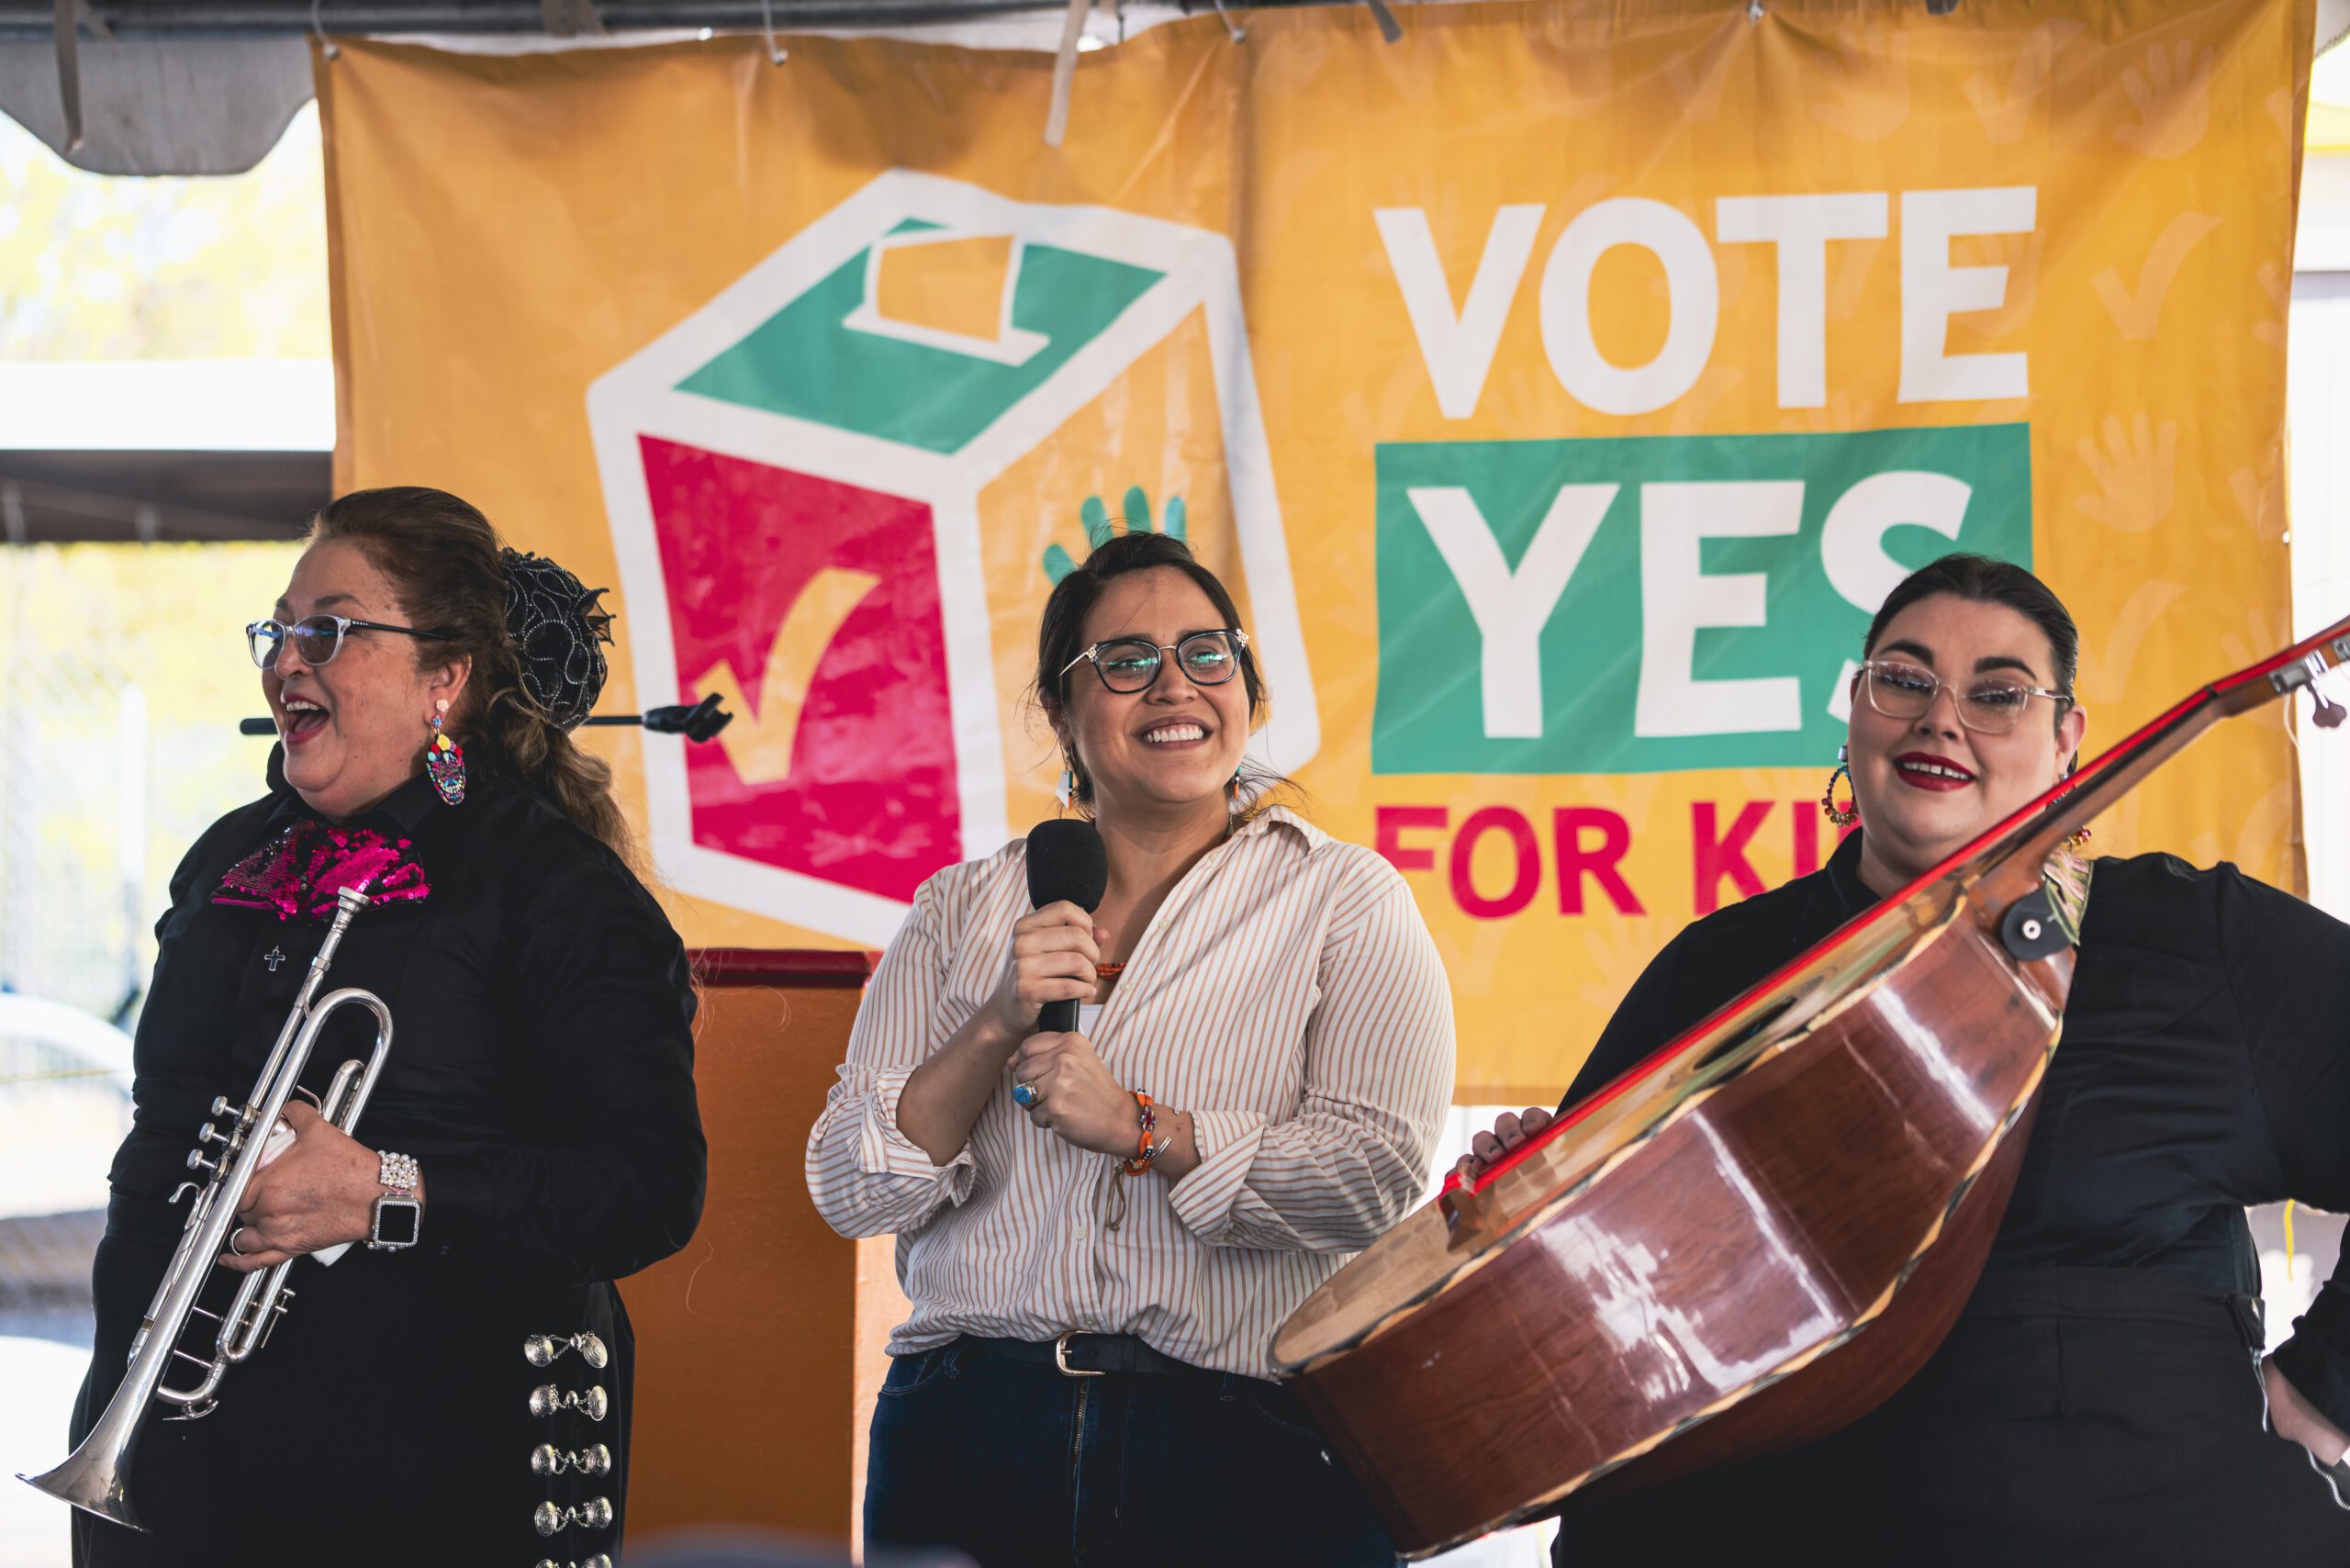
<point x="232" y="1241"/>
<point x="1025" y="1095"/>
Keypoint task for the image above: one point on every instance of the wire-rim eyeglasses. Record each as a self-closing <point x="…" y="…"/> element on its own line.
<point x="1989" y="705"/>
<point x="1206" y="658"/>
<point x="317" y="638"/>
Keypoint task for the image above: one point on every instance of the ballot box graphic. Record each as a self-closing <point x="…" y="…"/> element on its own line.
<point x="832" y="492"/>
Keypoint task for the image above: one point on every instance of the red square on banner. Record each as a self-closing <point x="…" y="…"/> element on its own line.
<point x="813" y="608"/>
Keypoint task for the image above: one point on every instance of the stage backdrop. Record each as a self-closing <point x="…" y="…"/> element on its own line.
<point x="1560" y="389"/>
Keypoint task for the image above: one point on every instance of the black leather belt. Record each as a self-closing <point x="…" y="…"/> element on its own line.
<point x="1084" y="1355"/>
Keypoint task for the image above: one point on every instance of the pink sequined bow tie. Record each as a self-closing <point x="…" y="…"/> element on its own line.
<point x="300" y="871"/>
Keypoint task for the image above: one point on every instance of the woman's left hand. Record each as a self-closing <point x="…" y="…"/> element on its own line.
<point x="1077" y="1099"/>
<point x="2294" y="1417"/>
<point x="320" y="1192"/>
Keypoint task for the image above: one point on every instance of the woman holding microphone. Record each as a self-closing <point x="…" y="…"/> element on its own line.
<point x="1100" y="1231"/>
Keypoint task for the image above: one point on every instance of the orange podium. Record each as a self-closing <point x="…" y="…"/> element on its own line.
<point x="759" y="1345"/>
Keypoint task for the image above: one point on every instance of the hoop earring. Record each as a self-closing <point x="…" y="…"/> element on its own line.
<point x="1848" y="814"/>
<point x="445" y="762"/>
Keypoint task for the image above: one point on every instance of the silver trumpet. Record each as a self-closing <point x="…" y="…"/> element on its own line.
<point x="96" y="1476"/>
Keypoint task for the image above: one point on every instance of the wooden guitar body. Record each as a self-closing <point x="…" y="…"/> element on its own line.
<point x="1753" y="1237"/>
<point x="1754" y="1200"/>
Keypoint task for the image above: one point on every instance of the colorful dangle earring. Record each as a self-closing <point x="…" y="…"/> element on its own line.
<point x="1849" y="812"/>
<point x="1067" y="788"/>
<point x="444" y="761"/>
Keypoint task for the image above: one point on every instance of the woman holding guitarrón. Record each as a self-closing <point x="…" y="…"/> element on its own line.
<point x="2103" y="1398"/>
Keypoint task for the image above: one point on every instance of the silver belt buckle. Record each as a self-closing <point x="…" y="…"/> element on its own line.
<point x="1061" y="1358"/>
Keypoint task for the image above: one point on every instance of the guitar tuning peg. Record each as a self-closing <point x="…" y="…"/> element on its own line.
<point x="2307" y="674"/>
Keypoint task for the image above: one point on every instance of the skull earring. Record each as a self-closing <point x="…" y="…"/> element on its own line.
<point x="444" y="760"/>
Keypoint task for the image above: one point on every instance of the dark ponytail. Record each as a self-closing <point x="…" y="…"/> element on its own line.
<point x="1985" y="579"/>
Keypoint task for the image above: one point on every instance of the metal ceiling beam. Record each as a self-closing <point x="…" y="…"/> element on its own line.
<point x="26" y="20"/>
<point x="36" y="19"/>
<point x="147" y="498"/>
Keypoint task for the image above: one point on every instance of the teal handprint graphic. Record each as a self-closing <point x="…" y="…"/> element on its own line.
<point x="1134" y="512"/>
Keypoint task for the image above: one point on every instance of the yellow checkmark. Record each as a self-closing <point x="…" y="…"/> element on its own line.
<point x="2140" y="313"/>
<point x="760" y="740"/>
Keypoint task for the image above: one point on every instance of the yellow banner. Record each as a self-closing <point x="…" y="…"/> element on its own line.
<point x="1560" y="389"/>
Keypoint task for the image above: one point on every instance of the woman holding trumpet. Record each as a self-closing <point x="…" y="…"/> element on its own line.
<point x="454" y="1386"/>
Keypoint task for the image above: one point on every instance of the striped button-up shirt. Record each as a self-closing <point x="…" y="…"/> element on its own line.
<point x="1287" y="994"/>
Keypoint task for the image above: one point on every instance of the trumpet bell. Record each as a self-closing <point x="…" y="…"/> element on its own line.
<point x="96" y="1476"/>
<point x="92" y="1481"/>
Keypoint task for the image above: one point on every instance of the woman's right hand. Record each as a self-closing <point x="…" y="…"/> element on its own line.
<point x="1510" y="1129"/>
<point x="1053" y="958"/>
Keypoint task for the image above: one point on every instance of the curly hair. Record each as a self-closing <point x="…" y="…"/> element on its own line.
<point x="443" y="557"/>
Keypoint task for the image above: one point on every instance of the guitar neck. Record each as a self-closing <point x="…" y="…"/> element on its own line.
<point x="2005" y="864"/>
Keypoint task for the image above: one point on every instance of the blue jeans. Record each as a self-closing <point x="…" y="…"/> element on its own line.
<point x="1021" y="1467"/>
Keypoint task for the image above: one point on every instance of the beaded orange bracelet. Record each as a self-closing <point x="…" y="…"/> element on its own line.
<point x="1147" y="1119"/>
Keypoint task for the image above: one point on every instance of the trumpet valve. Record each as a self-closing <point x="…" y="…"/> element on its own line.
<point x="207" y="1133"/>
<point x="277" y="1310"/>
<point x="195" y="1161"/>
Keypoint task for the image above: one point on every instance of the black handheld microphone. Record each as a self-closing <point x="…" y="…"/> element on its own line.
<point x="1065" y="861"/>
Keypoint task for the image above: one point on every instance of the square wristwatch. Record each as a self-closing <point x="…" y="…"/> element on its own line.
<point x="400" y="1213"/>
<point x="398" y="1220"/>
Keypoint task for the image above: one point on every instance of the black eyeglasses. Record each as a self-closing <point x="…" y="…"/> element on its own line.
<point x="1986" y="705"/>
<point x="317" y="638"/>
<point x="1131" y="664"/>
